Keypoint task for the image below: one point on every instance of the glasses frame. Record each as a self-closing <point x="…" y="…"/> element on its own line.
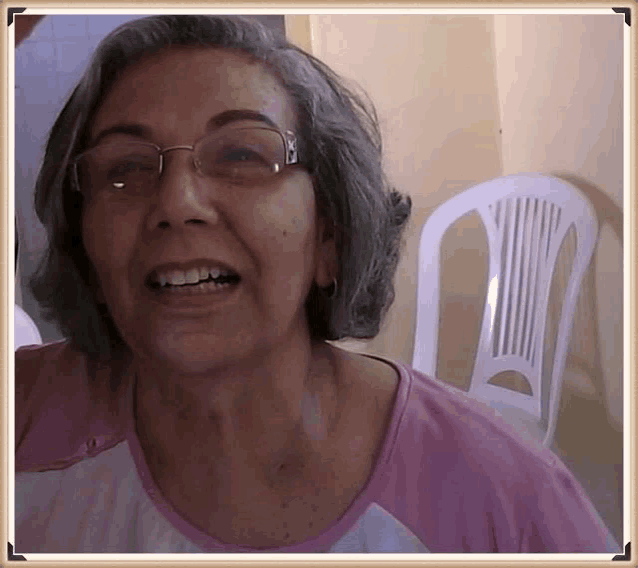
<point x="288" y="138"/>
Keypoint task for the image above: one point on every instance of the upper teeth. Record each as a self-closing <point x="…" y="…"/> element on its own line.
<point x="192" y="276"/>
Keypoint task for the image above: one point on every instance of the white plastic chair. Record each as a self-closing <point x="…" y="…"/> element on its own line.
<point x="526" y="218"/>
<point x="25" y="330"/>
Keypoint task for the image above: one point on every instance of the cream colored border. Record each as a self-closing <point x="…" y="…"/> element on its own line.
<point x="298" y="28"/>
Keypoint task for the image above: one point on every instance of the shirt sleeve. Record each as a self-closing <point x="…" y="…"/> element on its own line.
<point x="563" y="519"/>
<point x="463" y="481"/>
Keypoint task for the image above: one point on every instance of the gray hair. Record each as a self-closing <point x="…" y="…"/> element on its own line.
<point x="340" y="142"/>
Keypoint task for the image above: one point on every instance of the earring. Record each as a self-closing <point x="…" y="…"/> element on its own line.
<point x="330" y="291"/>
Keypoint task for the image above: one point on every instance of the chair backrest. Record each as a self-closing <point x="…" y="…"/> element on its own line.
<point x="526" y="218"/>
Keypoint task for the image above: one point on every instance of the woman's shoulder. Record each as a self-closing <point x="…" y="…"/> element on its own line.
<point x="32" y="352"/>
<point x="63" y="404"/>
<point x="470" y="460"/>
<point x="31" y="358"/>
<point x="40" y="369"/>
<point x="443" y="417"/>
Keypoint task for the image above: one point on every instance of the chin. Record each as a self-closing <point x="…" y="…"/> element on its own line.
<point x="195" y="354"/>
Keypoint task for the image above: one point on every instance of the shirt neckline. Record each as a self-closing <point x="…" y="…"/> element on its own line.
<point x="321" y="543"/>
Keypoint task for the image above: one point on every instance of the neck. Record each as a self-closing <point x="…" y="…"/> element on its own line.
<point x="273" y="409"/>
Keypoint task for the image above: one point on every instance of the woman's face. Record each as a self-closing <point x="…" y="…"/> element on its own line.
<point x="268" y="235"/>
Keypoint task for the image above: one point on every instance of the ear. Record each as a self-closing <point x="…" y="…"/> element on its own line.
<point x="326" y="269"/>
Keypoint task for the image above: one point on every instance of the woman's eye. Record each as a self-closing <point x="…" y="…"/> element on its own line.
<point x="130" y="174"/>
<point x="130" y="167"/>
<point x="235" y="155"/>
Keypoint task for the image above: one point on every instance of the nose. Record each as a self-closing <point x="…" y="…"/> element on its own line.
<point x="182" y="196"/>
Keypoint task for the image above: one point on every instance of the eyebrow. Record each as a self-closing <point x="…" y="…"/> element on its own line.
<point x="219" y="120"/>
<point x="228" y="116"/>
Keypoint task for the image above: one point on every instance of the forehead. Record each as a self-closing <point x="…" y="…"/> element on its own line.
<point x="182" y="88"/>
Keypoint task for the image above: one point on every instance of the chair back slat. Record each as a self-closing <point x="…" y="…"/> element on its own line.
<point x="526" y="269"/>
<point x="517" y="276"/>
<point x="507" y="257"/>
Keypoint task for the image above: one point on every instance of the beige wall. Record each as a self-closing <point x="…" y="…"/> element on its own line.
<point x="437" y="104"/>
<point x="462" y="99"/>
<point x="560" y="98"/>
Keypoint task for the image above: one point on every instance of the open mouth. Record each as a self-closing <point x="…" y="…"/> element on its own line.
<point x="201" y="279"/>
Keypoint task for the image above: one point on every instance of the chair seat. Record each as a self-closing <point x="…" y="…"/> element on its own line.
<point x="525" y="424"/>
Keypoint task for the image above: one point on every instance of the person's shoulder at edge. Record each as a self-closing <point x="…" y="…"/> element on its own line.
<point x="60" y="403"/>
<point x="488" y="490"/>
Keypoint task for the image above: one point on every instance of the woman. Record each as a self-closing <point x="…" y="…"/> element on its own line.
<point x="217" y="210"/>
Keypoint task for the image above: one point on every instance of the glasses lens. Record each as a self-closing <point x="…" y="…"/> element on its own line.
<point x="242" y="154"/>
<point x="129" y="169"/>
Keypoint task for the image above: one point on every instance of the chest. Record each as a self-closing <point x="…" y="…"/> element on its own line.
<point x="241" y="504"/>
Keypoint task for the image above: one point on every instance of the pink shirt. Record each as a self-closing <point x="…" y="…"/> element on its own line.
<point x="450" y="476"/>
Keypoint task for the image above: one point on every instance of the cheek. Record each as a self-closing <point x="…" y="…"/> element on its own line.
<point x="287" y="220"/>
<point x="107" y="235"/>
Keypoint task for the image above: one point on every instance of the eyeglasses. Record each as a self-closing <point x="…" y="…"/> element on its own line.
<point x="238" y="155"/>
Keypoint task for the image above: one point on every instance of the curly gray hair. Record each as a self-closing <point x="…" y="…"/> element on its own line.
<point x="339" y="140"/>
